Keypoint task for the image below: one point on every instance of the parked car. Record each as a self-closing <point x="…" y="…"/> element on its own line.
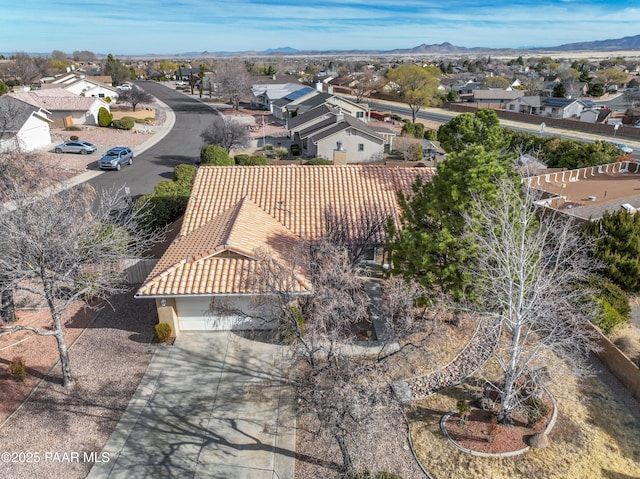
<point x="124" y="87"/>
<point x="115" y="158"/>
<point x="622" y="146"/>
<point x="82" y="147"/>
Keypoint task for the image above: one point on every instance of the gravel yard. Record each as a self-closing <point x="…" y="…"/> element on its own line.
<point x="108" y="359"/>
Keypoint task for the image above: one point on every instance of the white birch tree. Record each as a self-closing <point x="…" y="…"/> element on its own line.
<point x="529" y="274"/>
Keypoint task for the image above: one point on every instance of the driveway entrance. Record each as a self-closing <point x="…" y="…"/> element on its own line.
<point x="209" y="406"/>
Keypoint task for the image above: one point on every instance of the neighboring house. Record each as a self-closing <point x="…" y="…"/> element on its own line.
<point x="595" y="115"/>
<point x="84" y="85"/>
<point x="66" y="108"/>
<point x="497" y="96"/>
<point x="431" y="150"/>
<point x="467" y="91"/>
<point x="205" y="276"/>
<point x="284" y="109"/>
<point x="588" y="193"/>
<point x="549" y="106"/>
<point x="329" y="133"/>
<point x="264" y="94"/>
<point x="23" y="127"/>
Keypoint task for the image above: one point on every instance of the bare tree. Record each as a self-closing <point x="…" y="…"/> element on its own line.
<point x="365" y="84"/>
<point x="23" y="68"/>
<point x="410" y="148"/>
<point x="529" y="277"/>
<point x="84" y="56"/>
<point x="227" y="133"/>
<point x="357" y="234"/>
<point x="135" y="96"/>
<point x="234" y="81"/>
<point x="338" y="385"/>
<point x="72" y="253"/>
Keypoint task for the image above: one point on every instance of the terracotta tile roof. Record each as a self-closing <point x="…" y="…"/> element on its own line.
<point x="236" y="210"/>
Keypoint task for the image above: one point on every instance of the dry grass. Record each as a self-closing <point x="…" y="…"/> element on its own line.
<point x="594" y="437"/>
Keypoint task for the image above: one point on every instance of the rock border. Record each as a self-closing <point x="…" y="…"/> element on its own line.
<point x="517" y="452"/>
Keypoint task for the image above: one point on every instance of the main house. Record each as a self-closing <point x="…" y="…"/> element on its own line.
<point x="234" y="212"/>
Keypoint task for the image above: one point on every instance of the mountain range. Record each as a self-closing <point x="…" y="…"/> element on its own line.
<point x="618" y="44"/>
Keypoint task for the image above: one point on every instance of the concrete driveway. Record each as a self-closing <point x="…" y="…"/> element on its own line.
<point x="209" y="406"/>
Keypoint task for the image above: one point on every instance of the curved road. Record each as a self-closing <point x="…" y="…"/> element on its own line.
<point x="181" y="145"/>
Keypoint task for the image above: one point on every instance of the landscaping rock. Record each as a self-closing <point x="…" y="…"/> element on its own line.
<point x="539" y="441"/>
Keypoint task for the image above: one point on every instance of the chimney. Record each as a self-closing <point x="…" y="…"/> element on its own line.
<point x="339" y="116"/>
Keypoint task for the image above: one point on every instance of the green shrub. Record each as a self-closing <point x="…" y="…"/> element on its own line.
<point x="73" y="128"/>
<point x="253" y="160"/>
<point x="431" y="135"/>
<point x="74" y="138"/>
<point x="318" y="161"/>
<point x="609" y="317"/>
<point x="123" y="124"/>
<point x="536" y="409"/>
<point x="613" y="302"/>
<point x="184" y="174"/>
<point x="215" y="155"/>
<point x="163" y="210"/>
<point x="415" y="151"/>
<point x="295" y="149"/>
<point x="162" y="332"/>
<point x="17" y="368"/>
<point x="281" y="152"/>
<point x="287" y="330"/>
<point x="104" y="117"/>
<point x="267" y="147"/>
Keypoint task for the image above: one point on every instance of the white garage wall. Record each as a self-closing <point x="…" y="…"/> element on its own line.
<point x="194" y="315"/>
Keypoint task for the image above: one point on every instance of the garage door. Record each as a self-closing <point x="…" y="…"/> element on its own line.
<point x="194" y="315"/>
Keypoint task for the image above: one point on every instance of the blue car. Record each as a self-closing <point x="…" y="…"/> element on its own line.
<point x="115" y="158"/>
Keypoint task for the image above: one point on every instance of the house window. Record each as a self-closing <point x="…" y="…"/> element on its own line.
<point x="304" y="144"/>
<point x="512" y="107"/>
<point x="368" y="254"/>
<point x="360" y="114"/>
<point x="360" y="146"/>
<point x="100" y="95"/>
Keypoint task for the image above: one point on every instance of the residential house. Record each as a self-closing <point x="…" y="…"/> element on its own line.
<point x="65" y="108"/>
<point x="466" y="92"/>
<point x="549" y="106"/>
<point x="282" y="107"/>
<point x="329" y="133"/>
<point x="496" y="96"/>
<point x="595" y="115"/>
<point x="285" y="108"/>
<point x="204" y="279"/>
<point x="23" y="126"/>
<point x="588" y="193"/>
<point x="84" y="85"/>
<point x="264" y="94"/>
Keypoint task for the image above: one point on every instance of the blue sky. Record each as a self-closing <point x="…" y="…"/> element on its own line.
<point x="166" y="27"/>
